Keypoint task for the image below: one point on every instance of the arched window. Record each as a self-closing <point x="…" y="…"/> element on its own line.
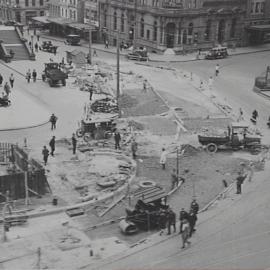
<point x="179" y="33"/>
<point x="207" y="32"/>
<point x="190" y="29"/>
<point x="233" y="26"/>
<point x="185" y="37"/>
<point x="115" y="20"/>
<point x="105" y="18"/>
<point x="122" y="22"/>
<point x="155" y="31"/>
<point x="142" y="27"/>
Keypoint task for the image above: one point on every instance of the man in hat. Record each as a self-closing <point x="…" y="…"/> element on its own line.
<point x="45" y="153"/>
<point x="52" y="145"/>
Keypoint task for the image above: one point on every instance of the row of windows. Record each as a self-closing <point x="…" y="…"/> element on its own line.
<point x="33" y="2"/>
<point x="71" y="14"/>
<point x="257" y="7"/>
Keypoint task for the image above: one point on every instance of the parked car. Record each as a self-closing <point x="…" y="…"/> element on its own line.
<point x="217" y="53"/>
<point x="138" y="55"/>
<point x="73" y="39"/>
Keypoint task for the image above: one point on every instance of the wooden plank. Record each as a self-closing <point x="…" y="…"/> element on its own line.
<point x="111" y="206"/>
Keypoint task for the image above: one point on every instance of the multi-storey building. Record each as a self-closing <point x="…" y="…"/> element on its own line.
<point x="177" y="24"/>
<point x="22" y="10"/>
<point x="257" y="23"/>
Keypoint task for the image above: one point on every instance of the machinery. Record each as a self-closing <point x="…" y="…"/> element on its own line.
<point x="54" y="74"/>
<point x="237" y="137"/>
<point x="150" y="211"/>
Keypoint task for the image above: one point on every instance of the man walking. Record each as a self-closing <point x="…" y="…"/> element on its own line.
<point x="185" y="233"/>
<point x="74" y="143"/>
<point x="217" y="70"/>
<point x="134" y="148"/>
<point x="11" y="80"/>
<point x="171" y="217"/>
<point x="53" y="120"/>
<point x="117" y="139"/>
<point x="239" y="181"/>
<point x="194" y="207"/>
<point x="52" y="145"/>
<point x="34" y="75"/>
<point x="192" y="222"/>
<point x="174" y="179"/>
<point x="183" y="216"/>
<point x="7" y="89"/>
<point x="163" y="158"/>
<point x="36" y="47"/>
<point x="91" y="91"/>
<point x="28" y="75"/>
<point x="45" y="153"/>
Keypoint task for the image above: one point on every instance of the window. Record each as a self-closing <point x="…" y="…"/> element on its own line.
<point x="142" y="27"/>
<point x="257" y="7"/>
<point x="70" y="14"/>
<point x="190" y="29"/>
<point x="33" y="3"/>
<point x="115" y="20"/>
<point x="232" y="32"/>
<point x="155" y="31"/>
<point x="26" y="3"/>
<point x="179" y="33"/>
<point x="185" y="37"/>
<point x="17" y="2"/>
<point x="122" y="22"/>
<point x="262" y="7"/>
<point x="148" y="34"/>
<point x="62" y="12"/>
<point x="207" y="32"/>
<point x="105" y="18"/>
<point x="41" y="2"/>
<point x="41" y="13"/>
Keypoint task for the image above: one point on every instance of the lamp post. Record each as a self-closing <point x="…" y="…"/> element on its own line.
<point x="90" y="37"/>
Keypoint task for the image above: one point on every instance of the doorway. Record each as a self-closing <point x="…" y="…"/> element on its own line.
<point x="170" y="33"/>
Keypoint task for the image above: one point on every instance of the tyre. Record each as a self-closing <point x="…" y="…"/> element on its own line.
<point x="79" y="133"/>
<point x="211" y="148"/>
<point x="87" y="137"/>
<point x="64" y="82"/>
<point x="50" y="83"/>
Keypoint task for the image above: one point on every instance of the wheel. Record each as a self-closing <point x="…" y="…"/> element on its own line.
<point x="64" y="82"/>
<point x="50" y="83"/>
<point x="79" y="133"/>
<point x="211" y="148"/>
<point x="87" y="137"/>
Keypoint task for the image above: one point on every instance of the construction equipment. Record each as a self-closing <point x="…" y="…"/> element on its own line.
<point x="54" y="74"/>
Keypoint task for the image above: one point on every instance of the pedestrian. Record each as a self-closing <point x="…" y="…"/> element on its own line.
<point x="34" y="75"/>
<point x="192" y="222"/>
<point x="28" y="75"/>
<point x="134" y="148"/>
<point x="63" y="61"/>
<point x="185" y="233"/>
<point x="38" y="36"/>
<point x="52" y="145"/>
<point x="30" y="44"/>
<point x="144" y="86"/>
<point x="1" y="80"/>
<point x="74" y="143"/>
<point x="217" y="69"/>
<point x="117" y="139"/>
<point x="194" y="206"/>
<point x="45" y="153"/>
<point x="174" y="179"/>
<point x="239" y="181"/>
<point x="11" y="80"/>
<point x="35" y="31"/>
<point x="210" y="82"/>
<point x="36" y="47"/>
<point x="91" y="91"/>
<point x="28" y="30"/>
<point x="7" y="89"/>
<point x="183" y="216"/>
<point x="162" y="219"/>
<point x="163" y="158"/>
<point x="106" y="44"/>
<point x="95" y="53"/>
<point x="171" y="221"/>
<point x="241" y="115"/>
<point x="53" y="120"/>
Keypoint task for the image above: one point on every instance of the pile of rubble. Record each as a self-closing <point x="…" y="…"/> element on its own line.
<point x="105" y="105"/>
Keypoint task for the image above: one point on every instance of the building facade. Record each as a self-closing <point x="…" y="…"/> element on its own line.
<point x="257" y="23"/>
<point x="22" y="10"/>
<point x="178" y="24"/>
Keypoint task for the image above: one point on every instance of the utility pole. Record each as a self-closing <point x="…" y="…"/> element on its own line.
<point x="135" y="25"/>
<point x="177" y="162"/>
<point x="90" y="37"/>
<point x="118" y="73"/>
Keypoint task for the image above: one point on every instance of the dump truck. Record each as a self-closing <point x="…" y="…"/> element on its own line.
<point x="54" y="75"/>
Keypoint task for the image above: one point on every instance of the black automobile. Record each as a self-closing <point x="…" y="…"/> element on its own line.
<point x="138" y="55"/>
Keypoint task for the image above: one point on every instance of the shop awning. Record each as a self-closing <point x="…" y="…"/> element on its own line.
<point x="61" y="21"/>
<point x="261" y="27"/>
<point x="81" y="26"/>
<point x="41" y="19"/>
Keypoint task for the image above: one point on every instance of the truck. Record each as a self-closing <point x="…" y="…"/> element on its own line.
<point x="236" y="137"/>
<point x="54" y="75"/>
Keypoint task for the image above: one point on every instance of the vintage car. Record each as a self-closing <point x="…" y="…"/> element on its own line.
<point x="138" y="55"/>
<point x="217" y="53"/>
<point x="73" y="39"/>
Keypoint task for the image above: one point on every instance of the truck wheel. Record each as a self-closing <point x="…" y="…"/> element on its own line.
<point x="64" y="82"/>
<point x="79" y="133"/>
<point x="87" y="137"/>
<point x="211" y="148"/>
<point x="50" y="83"/>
